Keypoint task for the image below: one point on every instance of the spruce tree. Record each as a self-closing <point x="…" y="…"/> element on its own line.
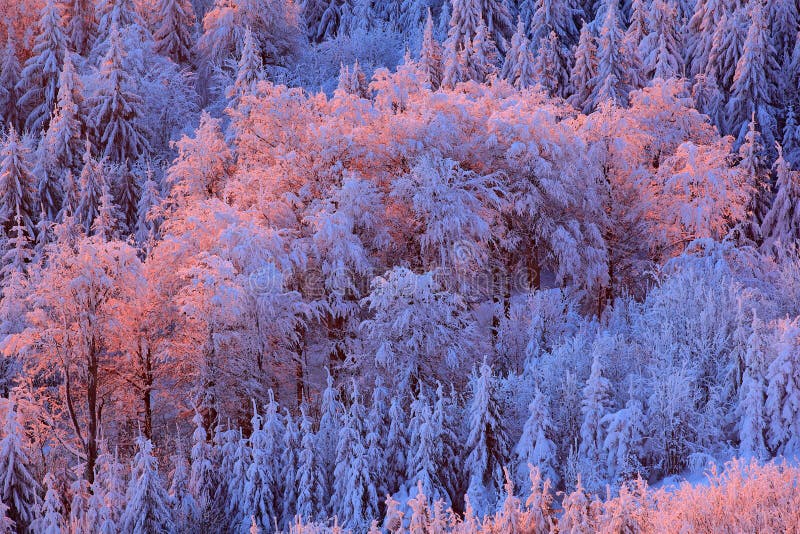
<point x="612" y="82"/>
<point x="781" y="225"/>
<point x="248" y="72"/>
<point x="259" y="491"/>
<point x="430" y="56"/>
<point x="173" y="35"/>
<point x="92" y="183"/>
<point x="701" y="30"/>
<point x="38" y="84"/>
<point x="535" y="447"/>
<point x="10" y="74"/>
<point x="662" y="50"/>
<point x="17" y="185"/>
<point x="147" y="502"/>
<point x="311" y="489"/>
<point x="81" y="26"/>
<point x="51" y="518"/>
<point x="18" y="489"/>
<point x="518" y="68"/>
<point x="185" y="511"/>
<point x="115" y="111"/>
<point x="483" y="56"/>
<point x="595" y="404"/>
<point x="584" y="71"/>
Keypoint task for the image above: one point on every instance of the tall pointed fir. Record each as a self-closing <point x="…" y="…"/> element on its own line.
<point x="483" y="57"/>
<point x="584" y="71"/>
<point x="612" y="82"/>
<point x="79" y="506"/>
<point x="751" y="409"/>
<point x="39" y="79"/>
<point x="701" y="31"/>
<point x="596" y="399"/>
<point x="16" y="252"/>
<point x="662" y="48"/>
<point x="354" y="499"/>
<point x="465" y="18"/>
<point x="289" y="470"/>
<point x="423" y="461"/>
<point x="17" y="185"/>
<point x="10" y="74"/>
<point x="782" y="222"/>
<point x="639" y="24"/>
<point x="783" y="390"/>
<point x="549" y="68"/>
<point x="554" y="16"/>
<point x="81" y="26"/>
<point x="726" y="48"/>
<point x="430" y="55"/>
<point x="755" y="82"/>
<point x="791" y="139"/>
<point x="147" y="502"/>
<point x="51" y="517"/>
<point x="784" y="21"/>
<point x="519" y="62"/>
<point x="92" y="181"/>
<point x="487" y="446"/>
<point x="237" y="485"/>
<point x="396" y="448"/>
<point x="115" y="110"/>
<point x="62" y="144"/>
<point x="311" y="489"/>
<point x="173" y="35"/>
<point x="106" y="224"/>
<point x="185" y="511"/>
<point x="18" y="489"/>
<point x="331" y="416"/>
<point x="119" y="13"/>
<point x="146" y="221"/>
<point x="248" y="72"/>
<point x="260" y="496"/>
<point x="535" y="447"/>
<point x="127" y="196"/>
<point x="622" y="446"/>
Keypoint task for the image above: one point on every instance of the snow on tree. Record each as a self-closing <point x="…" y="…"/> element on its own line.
<point x="39" y="78"/>
<point x="235" y="505"/>
<point x="701" y="30"/>
<point x="62" y="143"/>
<point x="550" y="68"/>
<point x="662" y="49"/>
<point x="535" y="447"/>
<point x="622" y="446"/>
<point x="584" y="71"/>
<point x="419" y="332"/>
<point x="146" y="220"/>
<point x="10" y="75"/>
<point x="248" y="71"/>
<point x="108" y="493"/>
<point x="289" y="470"/>
<point x="147" y="507"/>
<point x="106" y="224"/>
<point x="79" y="505"/>
<point x="783" y="390"/>
<point x="119" y="13"/>
<point x="752" y="424"/>
<point x="518" y="65"/>
<point x="18" y="488"/>
<point x="754" y="88"/>
<point x="81" y="26"/>
<point x="50" y="519"/>
<point x="595" y="405"/>
<point x="173" y="36"/>
<point x="726" y="48"/>
<point x="466" y="16"/>
<point x="115" y="110"/>
<point x="487" y="446"/>
<point x="202" y="478"/>
<point x="782" y="222"/>
<point x="483" y="57"/>
<point x="352" y="81"/>
<point x="784" y="21"/>
<point x="354" y="499"/>
<point x="262" y="482"/>
<point x="639" y="23"/>
<point x="553" y="16"/>
<point x="7" y="526"/>
<point x="185" y="511"/>
<point x="311" y="488"/>
<point x="430" y="55"/>
<point x="613" y="80"/>
<point x="396" y="446"/>
<point x="580" y="512"/>
<point x="17" y="184"/>
<point x="422" y="471"/>
<point x="93" y="183"/>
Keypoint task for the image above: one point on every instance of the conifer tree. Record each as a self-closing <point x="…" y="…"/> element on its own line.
<point x="482" y="56"/>
<point x="596" y="398"/>
<point x="79" y="506"/>
<point x="535" y="447"/>
<point x="396" y="446"/>
<point x="612" y="82"/>
<point x="430" y="55"/>
<point x="173" y="36"/>
<point x="248" y="72"/>
<point x="92" y="182"/>
<point x="311" y="490"/>
<point x="184" y="507"/>
<point x="17" y="185"/>
<point x="782" y="222"/>
<point x="752" y="424"/>
<point x="260" y="495"/>
<point x="289" y="468"/>
<point x="726" y="48"/>
<point x="422" y="471"/>
<point x="549" y="70"/>
<point x="554" y="16"/>
<point x="584" y="71"/>
<point x="115" y="111"/>
<point x="81" y="26"/>
<point x="701" y="29"/>
<point x="518" y="68"/>
<point x="662" y="49"/>
<point x="147" y="502"/>
<point x="18" y="489"/>
<point x="51" y="519"/>
<point x="39" y="79"/>
<point x="331" y="414"/>
<point x="624" y="439"/>
<point x="106" y="224"/>
<point x="149" y="201"/>
<point x="487" y="445"/>
<point x="10" y="74"/>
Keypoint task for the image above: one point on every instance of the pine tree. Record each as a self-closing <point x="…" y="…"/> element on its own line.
<point x="639" y="24"/>
<point x="354" y="499"/>
<point x="63" y="139"/>
<point x="106" y="224"/>
<point x="612" y="82"/>
<point x="81" y="26"/>
<point x="518" y="68"/>
<point x="147" y="502"/>
<point x="752" y="424"/>
<point x="596" y="397"/>
<point x="466" y="16"/>
<point x="311" y="489"/>
<point x="584" y="71"/>
<point x="535" y="447"/>
<point x="109" y="483"/>
<point x="353" y="81"/>
<point x="7" y="526"/>
<point x="624" y="439"/>
<point x="18" y="489"/>
<point x="79" y="506"/>
<point x="10" y="75"/>
<point x="289" y="470"/>
<point x="487" y="445"/>
<point x="784" y="21"/>
<point x="17" y="251"/>
<point x="51" y="519"/>
<point x="726" y="48"/>
<point x="554" y="16"/>
<point x="662" y="48"/>
<point x="115" y="111"/>
<point x="781" y="225"/>
<point x="70" y="197"/>
<point x="423" y="461"/>
<point x="248" y="72"/>
<point x="482" y="56"/>
<point x="119" y="13"/>
<point x="430" y="55"/>
<point x="549" y="69"/>
<point x="184" y="507"/>
<point x="17" y="185"/>
<point x="127" y="196"/>
<point x="39" y="79"/>
<point x="173" y="35"/>
<point x="791" y="139"/>
<point x="396" y="446"/>
<point x="580" y="513"/>
<point x="260" y="494"/>
<point x="235" y="506"/>
<point x="92" y="184"/>
<point x="783" y="391"/>
<point x="702" y="27"/>
<point x="754" y="84"/>
<point x="330" y="422"/>
<point x="149" y="201"/>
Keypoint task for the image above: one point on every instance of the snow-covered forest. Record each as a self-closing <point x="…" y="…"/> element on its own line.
<point x="400" y="266"/>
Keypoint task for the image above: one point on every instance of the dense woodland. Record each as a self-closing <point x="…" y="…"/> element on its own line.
<point x="399" y="265"/>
